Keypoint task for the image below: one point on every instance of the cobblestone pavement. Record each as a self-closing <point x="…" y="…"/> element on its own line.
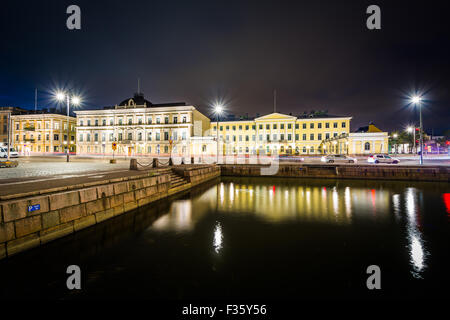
<point x="39" y="167"/>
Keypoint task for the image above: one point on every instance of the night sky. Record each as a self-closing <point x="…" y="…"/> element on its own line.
<point x="318" y="55"/>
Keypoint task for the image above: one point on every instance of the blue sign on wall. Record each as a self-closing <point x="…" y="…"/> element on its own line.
<point x="34" y="207"/>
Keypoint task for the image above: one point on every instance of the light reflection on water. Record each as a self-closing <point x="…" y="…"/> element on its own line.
<point x="417" y="247"/>
<point x="282" y="203"/>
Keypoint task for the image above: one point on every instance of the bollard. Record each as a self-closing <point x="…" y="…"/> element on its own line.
<point x="192" y="160"/>
<point x="170" y="161"/>
<point x="133" y="164"/>
<point x="155" y="163"/>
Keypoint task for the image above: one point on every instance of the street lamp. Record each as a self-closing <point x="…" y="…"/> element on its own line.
<point x="218" y="109"/>
<point x="416" y="100"/>
<point x="60" y="96"/>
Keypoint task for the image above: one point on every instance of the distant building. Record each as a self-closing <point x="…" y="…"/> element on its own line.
<point x="278" y="133"/>
<point x="139" y="127"/>
<point x="4" y="111"/>
<point x="42" y="133"/>
<point x="365" y="140"/>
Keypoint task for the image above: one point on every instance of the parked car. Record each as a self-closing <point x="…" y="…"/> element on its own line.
<point x="332" y="158"/>
<point x="12" y="152"/>
<point x="382" y="158"/>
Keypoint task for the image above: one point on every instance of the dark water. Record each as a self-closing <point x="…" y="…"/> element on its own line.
<point x="255" y="238"/>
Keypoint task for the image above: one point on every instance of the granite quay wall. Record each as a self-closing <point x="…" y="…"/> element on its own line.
<point x="376" y="172"/>
<point x="198" y="174"/>
<point x="32" y="219"/>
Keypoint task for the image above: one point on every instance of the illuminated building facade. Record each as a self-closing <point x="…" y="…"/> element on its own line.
<point x="42" y="133"/>
<point x="139" y="127"/>
<point x="282" y="134"/>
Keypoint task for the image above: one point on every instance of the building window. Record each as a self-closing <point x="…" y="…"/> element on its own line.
<point x="247" y="138"/>
<point x="282" y="126"/>
<point x="120" y="137"/>
<point x="120" y="121"/>
<point x="96" y="137"/>
<point x="296" y="136"/>
<point x="166" y="120"/>
<point x="221" y="128"/>
<point x="267" y="126"/>
<point x="56" y="137"/>
<point x="311" y="136"/>
<point x="311" y="125"/>
<point x="158" y="137"/>
<point x="140" y="136"/>
<point x="149" y="121"/>
<point x="81" y="122"/>
<point x="335" y="134"/>
<point x="289" y="137"/>
<point x="240" y="127"/>
<point x="304" y="126"/>
<point x="343" y="124"/>
<point x="149" y="137"/>
<point x="260" y="127"/>
<point x="104" y="122"/>
<point x="158" y="120"/>
<point x="296" y="126"/>
<point x="184" y="119"/>
<point x="274" y="137"/>
<point x="96" y="123"/>
<point x="327" y="125"/>
<point x="327" y="136"/>
<point x="130" y="121"/>
<point x="247" y="127"/>
<point x="334" y="124"/>
<point x="103" y="137"/>
<point x="166" y="136"/>
<point x="282" y="137"/>
<point x="289" y="126"/>
<point x="319" y="125"/>
<point x="304" y="136"/>
<point x="319" y="136"/>
<point x="304" y="149"/>
<point x="367" y="146"/>
<point x="175" y="119"/>
<point x="312" y="150"/>
<point x="234" y="128"/>
<point x="130" y="136"/>
<point x="47" y="137"/>
<point x="111" y="122"/>
<point x="111" y="137"/>
<point x="149" y="149"/>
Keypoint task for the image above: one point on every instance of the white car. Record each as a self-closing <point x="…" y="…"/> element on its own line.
<point x="382" y="158"/>
<point x="4" y="152"/>
<point x="332" y="158"/>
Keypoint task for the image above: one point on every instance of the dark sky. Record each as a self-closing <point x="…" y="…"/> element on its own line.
<point x="319" y="55"/>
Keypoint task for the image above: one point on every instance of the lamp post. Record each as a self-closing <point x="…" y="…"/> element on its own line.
<point x="75" y="101"/>
<point x="416" y="100"/>
<point x="218" y="110"/>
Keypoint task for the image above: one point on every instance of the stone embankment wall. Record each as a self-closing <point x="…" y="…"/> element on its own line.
<point x="64" y="212"/>
<point x="199" y="174"/>
<point x="378" y="172"/>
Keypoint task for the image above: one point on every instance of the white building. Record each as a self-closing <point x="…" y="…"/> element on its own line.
<point x="140" y="128"/>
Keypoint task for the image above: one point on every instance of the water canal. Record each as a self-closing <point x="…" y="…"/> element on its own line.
<point x="255" y="238"/>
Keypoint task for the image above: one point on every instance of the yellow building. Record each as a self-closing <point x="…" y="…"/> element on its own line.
<point x="365" y="140"/>
<point x="278" y="133"/>
<point x="42" y="133"/>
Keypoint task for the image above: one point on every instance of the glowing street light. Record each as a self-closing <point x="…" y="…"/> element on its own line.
<point x="60" y="96"/>
<point x="218" y="109"/>
<point x="416" y="100"/>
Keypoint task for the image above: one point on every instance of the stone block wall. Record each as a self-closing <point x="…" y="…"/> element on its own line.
<point x="63" y="213"/>
<point x="67" y="210"/>
<point x="378" y="172"/>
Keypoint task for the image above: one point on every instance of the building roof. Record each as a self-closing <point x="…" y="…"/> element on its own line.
<point x="370" y="128"/>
